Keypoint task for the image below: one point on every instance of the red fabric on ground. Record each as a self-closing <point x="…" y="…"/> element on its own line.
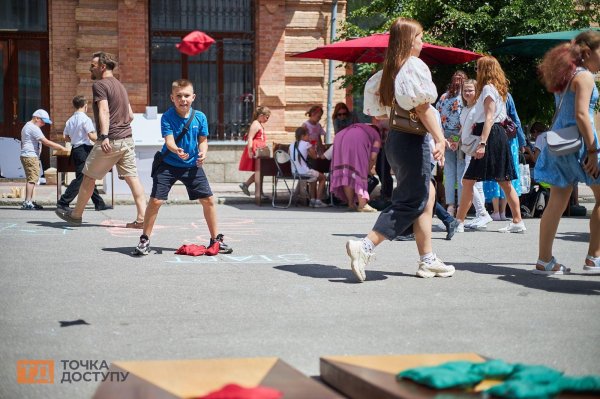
<point x="213" y="249"/>
<point x="191" y="249"/>
<point x="233" y="391"/>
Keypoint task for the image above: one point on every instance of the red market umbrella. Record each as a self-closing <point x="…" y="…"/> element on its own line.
<point x="372" y="49"/>
<point x="194" y="43"/>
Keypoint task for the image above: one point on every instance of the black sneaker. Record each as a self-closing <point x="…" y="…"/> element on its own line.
<point x="223" y="248"/>
<point x="36" y="206"/>
<point x="103" y="207"/>
<point x="143" y="248"/>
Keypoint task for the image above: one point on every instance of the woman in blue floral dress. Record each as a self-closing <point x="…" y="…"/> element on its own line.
<point x="568" y="71"/>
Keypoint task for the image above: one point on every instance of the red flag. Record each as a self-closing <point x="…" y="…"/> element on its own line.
<point x="194" y="43"/>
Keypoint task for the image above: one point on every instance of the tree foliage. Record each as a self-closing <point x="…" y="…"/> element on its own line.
<point x="477" y="26"/>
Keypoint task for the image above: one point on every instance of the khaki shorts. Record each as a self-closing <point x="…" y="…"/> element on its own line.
<point x="98" y="163"/>
<point x="31" y="165"/>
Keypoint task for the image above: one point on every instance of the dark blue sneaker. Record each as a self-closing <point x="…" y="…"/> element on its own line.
<point x="223" y="248"/>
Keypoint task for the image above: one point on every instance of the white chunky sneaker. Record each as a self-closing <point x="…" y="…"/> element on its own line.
<point x="358" y="258"/>
<point x="480" y="222"/>
<point x="460" y="228"/>
<point x="514" y="228"/>
<point x="437" y="268"/>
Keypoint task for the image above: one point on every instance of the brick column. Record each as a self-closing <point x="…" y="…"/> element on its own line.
<point x="134" y="57"/>
<point x="270" y="62"/>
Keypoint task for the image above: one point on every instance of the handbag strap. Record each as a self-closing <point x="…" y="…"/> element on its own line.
<point x="562" y="97"/>
<point x="184" y="130"/>
<point x="299" y="153"/>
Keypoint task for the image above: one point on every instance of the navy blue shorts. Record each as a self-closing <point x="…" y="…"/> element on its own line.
<point x="194" y="179"/>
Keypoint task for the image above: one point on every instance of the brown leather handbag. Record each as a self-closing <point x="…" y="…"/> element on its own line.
<point x="406" y="121"/>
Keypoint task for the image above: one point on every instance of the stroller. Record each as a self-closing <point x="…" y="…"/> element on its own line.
<point x="534" y="202"/>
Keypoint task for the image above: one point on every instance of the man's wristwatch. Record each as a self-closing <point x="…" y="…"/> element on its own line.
<point x="102" y="137"/>
<point x="483" y="143"/>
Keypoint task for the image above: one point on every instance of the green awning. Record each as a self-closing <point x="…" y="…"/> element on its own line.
<point x="536" y="45"/>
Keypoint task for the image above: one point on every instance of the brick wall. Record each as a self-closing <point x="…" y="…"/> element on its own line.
<point x="78" y="28"/>
<point x="287" y="85"/>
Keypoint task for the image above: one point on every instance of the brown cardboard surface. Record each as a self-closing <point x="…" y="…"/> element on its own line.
<point x="169" y="379"/>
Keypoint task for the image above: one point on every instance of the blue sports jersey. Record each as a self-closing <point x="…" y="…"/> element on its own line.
<point x="172" y="124"/>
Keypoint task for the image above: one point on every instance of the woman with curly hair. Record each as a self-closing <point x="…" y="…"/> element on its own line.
<point x="492" y="160"/>
<point x="568" y="71"/>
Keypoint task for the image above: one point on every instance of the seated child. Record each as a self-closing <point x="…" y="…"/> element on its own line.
<point x="299" y="152"/>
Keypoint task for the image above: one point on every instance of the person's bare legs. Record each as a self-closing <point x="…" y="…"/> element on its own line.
<point x="137" y="190"/>
<point x="557" y="203"/>
<point x="349" y="193"/>
<point x="594" y="246"/>
<point x="422" y="226"/>
<point x="312" y="190"/>
<point x="250" y="180"/>
<point x="320" y="186"/>
<point x="151" y="215"/>
<point x="29" y="188"/>
<point x="496" y="205"/>
<point x="502" y="202"/>
<point x="466" y="197"/>
<point x="210" y="215"/>
<point x="513" y="200"/>
<point x="85" y="193"/>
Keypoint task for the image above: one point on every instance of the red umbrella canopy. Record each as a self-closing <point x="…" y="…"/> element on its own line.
<point x="194" y="43"/>
<point x="372" y="49"/>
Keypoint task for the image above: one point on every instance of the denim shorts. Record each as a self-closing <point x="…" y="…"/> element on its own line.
<point x="194" y="179"/>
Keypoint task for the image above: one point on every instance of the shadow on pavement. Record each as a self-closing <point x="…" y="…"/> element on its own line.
<point x="525" y="278"/>
<point x="61" y="224"/>
<point x="574" y="236"/>
<point x="335" y="274"/>
<point x="129" y="251"/>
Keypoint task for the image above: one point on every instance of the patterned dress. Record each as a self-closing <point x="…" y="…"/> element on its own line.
<point x="566" y="170"/>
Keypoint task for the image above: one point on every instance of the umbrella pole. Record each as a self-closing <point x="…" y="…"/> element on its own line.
<point x="328" y="138"/>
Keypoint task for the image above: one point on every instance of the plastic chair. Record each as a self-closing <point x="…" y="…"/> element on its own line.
<point x="281" y="158"/>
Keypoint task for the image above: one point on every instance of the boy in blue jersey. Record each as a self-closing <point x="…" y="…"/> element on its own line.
<point x="182" y="161"/>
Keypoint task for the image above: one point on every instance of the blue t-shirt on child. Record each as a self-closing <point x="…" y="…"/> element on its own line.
<point x="172" y="124"/>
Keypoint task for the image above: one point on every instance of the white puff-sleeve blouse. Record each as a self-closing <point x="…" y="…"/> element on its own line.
<point x="413" y="86"/>
<point x="371" y="105"/>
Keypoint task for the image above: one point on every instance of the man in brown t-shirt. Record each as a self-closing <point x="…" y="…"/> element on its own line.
<point x="113" y="115"/>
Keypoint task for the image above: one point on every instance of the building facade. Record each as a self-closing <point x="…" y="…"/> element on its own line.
<point x="46" y="46"/>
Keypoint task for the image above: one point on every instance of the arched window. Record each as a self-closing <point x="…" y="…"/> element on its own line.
<point x="223" y="76"/>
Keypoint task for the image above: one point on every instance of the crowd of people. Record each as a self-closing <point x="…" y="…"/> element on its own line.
<point x="472" y="132"/>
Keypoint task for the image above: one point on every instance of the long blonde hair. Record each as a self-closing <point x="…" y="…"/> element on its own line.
<point x="402" y="35"/>
<point x="489" y="71"/>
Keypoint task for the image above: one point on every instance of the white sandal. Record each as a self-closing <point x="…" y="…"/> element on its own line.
<point x="595" y="269"/>
<point x="549" y="268"/>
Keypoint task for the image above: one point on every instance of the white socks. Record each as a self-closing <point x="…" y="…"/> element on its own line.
<point x="429" y="257"/>
<point x="367" y="245"/>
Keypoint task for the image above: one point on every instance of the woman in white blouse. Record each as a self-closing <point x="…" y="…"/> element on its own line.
<point x="406" y="79"/>
<point x="492" y="160"/>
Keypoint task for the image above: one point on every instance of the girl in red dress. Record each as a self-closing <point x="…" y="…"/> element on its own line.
<point x="256" y="139"/>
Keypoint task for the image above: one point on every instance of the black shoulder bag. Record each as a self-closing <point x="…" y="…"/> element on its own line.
<point x="158" y="157"/>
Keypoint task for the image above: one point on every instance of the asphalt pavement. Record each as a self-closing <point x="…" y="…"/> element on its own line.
<point x="77" y="293"/>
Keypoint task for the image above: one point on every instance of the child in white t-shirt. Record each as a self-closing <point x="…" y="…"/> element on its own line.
<point x="300" y="151"/>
